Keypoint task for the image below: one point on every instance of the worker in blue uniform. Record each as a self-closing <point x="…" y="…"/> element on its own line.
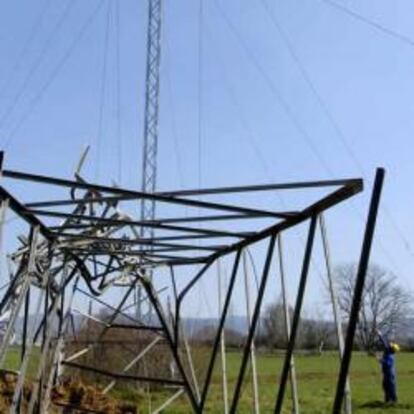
<point x="387" y="362"/>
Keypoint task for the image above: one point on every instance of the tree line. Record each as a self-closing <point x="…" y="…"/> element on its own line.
<point x="386" y="306"/>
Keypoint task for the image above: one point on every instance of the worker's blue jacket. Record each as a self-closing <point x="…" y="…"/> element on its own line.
<point x="388" y="371"/>
<point x="387" y="361"/>
<point x="388" y="364"/>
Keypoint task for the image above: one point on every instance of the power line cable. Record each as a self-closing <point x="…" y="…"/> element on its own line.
<point x="390" y="32"/>
<point x="54" y="73"/>
<point x="200" y="98"/>
<point x="252" y="140"/>
<point x="200" y="89"/>
<point x="306" y="77"/>
<point x="200" y="119"/>
<point x="36" y="63"/>
<point x="118" y="89"/>
<point x="289" y="112"/>
<point x="325" y="109"/>
<point x="171" y="111"/>
<point x="25" y="48"/>
<point x="282" y="101"/>
<point x="99" y="137"/>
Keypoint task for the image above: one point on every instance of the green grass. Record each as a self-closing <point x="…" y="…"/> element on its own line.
<point x="13" y="359"/>
<point x="316" y="377"/>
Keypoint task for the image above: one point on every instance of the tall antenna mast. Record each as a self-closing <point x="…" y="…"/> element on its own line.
<point x="152" y="88"/>
<point x="150" y="148"/>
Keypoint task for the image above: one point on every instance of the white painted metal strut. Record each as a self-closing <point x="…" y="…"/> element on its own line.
<point x="49" y="321"/>
<point x="190" y="363"/>
<point x="255" y="384"/>
<point x="292" y="376"/>
<point x="58" y="353"/>
<point x="163" y="406"/>
<point x="23" y="288"/>
<point x="3" y="212"/>
<point x="133" y="362"/>
<point x="224" y="383"/>
<point x="28" y="351"/>
<point x="335" y="307"/>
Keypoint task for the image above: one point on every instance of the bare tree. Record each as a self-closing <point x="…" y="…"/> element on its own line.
<point x="315" y="333"/>
<point x="274" y="325"/>
<point x="385" y="303"/>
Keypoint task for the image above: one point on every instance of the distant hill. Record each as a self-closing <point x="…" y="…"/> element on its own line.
<point x="192" y="326"/>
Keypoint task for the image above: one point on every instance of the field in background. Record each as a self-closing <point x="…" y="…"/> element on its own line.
<point x="316" y="382"/>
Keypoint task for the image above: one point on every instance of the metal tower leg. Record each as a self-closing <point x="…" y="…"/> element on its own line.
<point x="253" y="325"/>
<point x="359" y="288"/>
<point x="292" y="369"/>
<point x="21" y="295"/>
<point x="222" y="344"/>
<point x="296" y="315"/>
<point x="335" y="308"/>
<point x="255" y="384"/>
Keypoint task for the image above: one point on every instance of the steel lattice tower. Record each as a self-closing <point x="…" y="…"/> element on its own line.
<point x="152" y="85"/>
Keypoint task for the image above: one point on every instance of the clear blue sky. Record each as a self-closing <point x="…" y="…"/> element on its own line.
<point x="260" y="119"/>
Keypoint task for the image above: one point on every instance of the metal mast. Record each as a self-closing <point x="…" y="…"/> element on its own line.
<point x="152" y="87"/>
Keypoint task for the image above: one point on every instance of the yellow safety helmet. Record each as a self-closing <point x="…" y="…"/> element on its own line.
<point x="394" y="347"/>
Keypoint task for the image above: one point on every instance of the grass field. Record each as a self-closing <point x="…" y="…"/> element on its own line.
<point x="316" y="382"/>
<point x="316" y="376"/>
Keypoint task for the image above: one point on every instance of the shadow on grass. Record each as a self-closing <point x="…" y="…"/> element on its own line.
<point x="384" y="406"/>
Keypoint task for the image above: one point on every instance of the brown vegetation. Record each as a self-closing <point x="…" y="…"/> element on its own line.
<point x="114" y="350"/>
<point x="81" y="398"/>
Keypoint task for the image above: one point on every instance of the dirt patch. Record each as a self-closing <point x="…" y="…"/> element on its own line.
<point x="8" y="381"/>
<point x="70" y="393"/>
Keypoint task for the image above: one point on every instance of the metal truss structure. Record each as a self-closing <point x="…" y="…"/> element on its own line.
<point x="87" y="239"/>
<point x="150" y="147"/>
<point x="152" y="91"/>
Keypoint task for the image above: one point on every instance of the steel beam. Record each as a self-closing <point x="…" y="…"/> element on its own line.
<point x="359" y="289"/>
<point x="124" y="377"/>
<point x="139" y="194"/>
<point x="253" y="325"/>
<point x="296" y="316"/>
<point x="220" y="328"/>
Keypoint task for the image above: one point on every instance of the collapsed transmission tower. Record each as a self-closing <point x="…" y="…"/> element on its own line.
<point x="81" y="241"/>
<point x="88" y="245"/>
